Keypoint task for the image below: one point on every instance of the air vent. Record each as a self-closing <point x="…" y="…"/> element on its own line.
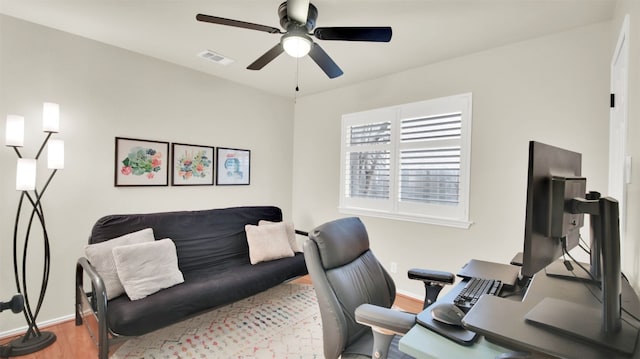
<point x="215" y="57"/>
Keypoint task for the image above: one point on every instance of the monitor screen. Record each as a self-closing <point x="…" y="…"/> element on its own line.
<point x="553" y="180"/>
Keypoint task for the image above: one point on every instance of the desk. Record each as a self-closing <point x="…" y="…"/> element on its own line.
<point x="424" y="343"/>
<point x="513" y="332"/>
<point x="518" y="333"/>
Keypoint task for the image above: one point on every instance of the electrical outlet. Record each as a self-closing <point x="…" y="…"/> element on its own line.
<point x="394" y="267"/>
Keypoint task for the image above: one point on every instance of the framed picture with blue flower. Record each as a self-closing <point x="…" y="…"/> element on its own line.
<point x="191" y="165"/>
<point x="141" y="162"/>
<point x="234" y="166"/>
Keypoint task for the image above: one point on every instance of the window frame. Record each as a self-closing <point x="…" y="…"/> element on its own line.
<point x="393" y="208"/>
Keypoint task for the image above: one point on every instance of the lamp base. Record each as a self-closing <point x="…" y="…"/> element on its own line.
<point x="20" y="346"/>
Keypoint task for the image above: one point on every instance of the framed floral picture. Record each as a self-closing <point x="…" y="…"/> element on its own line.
<point x="191" y="165"/>
<point x="141" y="162"/>
<point x="233" y="166"/>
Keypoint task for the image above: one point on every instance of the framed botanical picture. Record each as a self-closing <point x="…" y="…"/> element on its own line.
<point x="141" y="162"/>
<point x="191" y="165"/>
<point x="233" y="166"/>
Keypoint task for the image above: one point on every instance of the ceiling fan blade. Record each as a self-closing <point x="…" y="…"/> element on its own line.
<point x="237" y="23"/>
<point x="324" y="61"/>
<point x="267" y="57"/>
<point x="297" y="10"/>
<point x="374" y="34"/>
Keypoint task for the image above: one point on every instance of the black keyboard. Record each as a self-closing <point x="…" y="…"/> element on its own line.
<point x="474" y="289"/>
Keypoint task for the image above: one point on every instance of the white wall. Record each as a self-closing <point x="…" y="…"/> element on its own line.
<point x="106" y="92"/>
<point x="540" y="89"/>
<point x="631" y="256"/>
<point x="552" y="89"/>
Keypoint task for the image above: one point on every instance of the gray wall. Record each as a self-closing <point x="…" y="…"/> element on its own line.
<point x="552" y="89"/>
<point x="106" y="92"/>
<point x="540" y="89"/>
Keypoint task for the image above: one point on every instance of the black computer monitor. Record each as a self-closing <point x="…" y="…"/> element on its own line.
<point x="556" y="204"/>
<point x="553" y="180"/>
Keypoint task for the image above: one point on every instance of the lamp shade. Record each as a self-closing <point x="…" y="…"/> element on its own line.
<point x="55" y="151"/>
<point x="26" y="174"/>
<point x="50" y="117"/>
<point x="15" y="131"/>
<point x="296" y="45"/>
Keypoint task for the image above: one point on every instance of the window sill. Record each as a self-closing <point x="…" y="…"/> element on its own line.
<point x="438" y="221"/>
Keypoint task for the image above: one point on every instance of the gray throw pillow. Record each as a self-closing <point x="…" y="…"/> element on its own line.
<point x="291" y="234"/>
<point x="267" y="242"/>
<point x="101" y="257"/>
<point x="146" y="268"/>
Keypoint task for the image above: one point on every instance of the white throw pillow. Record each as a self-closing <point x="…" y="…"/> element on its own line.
<point x="291" y="234"/>
<point x="101" y="257"/>
<point x="267" y="242"/>
<point x="146" y="268"/>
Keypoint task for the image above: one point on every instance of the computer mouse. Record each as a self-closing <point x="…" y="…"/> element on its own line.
<point x="447" y="313"/>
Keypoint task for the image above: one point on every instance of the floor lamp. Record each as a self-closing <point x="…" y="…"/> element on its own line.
<point x="34" y="339"/>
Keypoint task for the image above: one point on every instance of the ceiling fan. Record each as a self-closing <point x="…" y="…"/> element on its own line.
<point x="298" y="18"/>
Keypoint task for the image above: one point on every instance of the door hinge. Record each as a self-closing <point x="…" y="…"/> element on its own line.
<point x="612" y="100"/>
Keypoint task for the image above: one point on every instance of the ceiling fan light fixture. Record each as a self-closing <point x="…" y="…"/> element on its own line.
<point x="296" y="45"/>
<point x="298" y="19"/>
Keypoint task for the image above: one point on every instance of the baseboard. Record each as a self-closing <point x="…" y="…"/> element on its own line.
<point x="41" y="326"/>
<point x="410" y="295"/>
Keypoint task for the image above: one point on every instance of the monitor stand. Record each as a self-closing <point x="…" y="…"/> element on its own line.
<point x="558" y="270"/>
<point x="582" y="322"/>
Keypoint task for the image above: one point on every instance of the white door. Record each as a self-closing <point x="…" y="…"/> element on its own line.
<point x="619" y="162"/>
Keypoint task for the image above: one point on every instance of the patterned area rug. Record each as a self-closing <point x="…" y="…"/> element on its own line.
<point x="282" y="322"/>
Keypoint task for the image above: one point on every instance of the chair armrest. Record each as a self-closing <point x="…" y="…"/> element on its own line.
<point x="97" y="284"/>
<point x="385" y="320"/>
<point x="302" y="233"/>
<point x="433" y="280"/>
<point x="433" y="276"/>
<point x="98" y="302"/>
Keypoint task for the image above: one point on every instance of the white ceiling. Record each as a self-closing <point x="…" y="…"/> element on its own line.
<point x="424" y="32"/>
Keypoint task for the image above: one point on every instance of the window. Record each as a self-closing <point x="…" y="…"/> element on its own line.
<point x="409" y="162"/>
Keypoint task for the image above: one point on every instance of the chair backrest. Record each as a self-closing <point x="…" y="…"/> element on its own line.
<point x="345" y="274"/>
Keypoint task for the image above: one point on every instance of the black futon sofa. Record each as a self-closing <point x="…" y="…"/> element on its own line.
<point x="213" y="256"/>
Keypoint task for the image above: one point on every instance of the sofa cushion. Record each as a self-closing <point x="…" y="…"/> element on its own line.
<point x="202" y="290"/>
<point x="146" y="268"/>
<point x="268" y="242"/>
<point x="101" y="257"/>
<point x="211" y="239"/>
<point x="291" y="235"/>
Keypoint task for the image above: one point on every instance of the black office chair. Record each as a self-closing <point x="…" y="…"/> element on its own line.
<point x="355" y="292"/>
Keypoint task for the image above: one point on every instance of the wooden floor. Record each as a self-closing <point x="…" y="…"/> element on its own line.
<point x="74" y="341"/>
